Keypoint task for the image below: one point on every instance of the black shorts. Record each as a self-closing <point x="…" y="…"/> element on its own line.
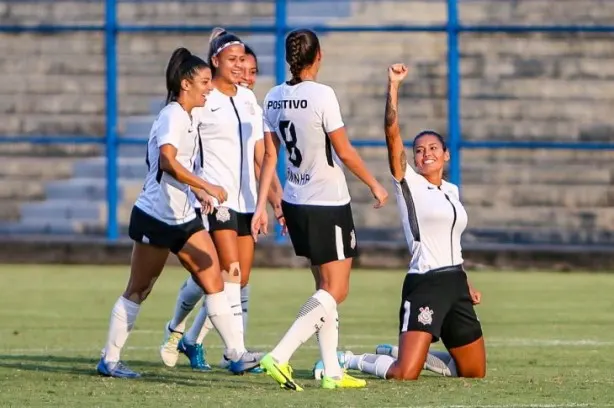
<point x="224" y="218"/>
<point x="438" y="302"/>
<point x="148" y="230"/>
<point x="321" y="233"/>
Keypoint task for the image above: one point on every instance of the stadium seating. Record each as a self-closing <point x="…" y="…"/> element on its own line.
<point x="541" y="87"/>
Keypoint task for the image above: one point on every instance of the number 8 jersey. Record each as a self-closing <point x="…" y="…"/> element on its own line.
<point x="301" y="116"/>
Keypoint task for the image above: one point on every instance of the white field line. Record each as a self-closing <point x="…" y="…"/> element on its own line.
<point x="498" y="343"/>
<point x="567" y="405"/>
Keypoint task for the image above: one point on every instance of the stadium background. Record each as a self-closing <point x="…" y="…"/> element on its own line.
<point x="522" y="89"/>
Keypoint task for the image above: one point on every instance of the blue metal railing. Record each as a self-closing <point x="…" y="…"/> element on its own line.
<point x="452" y="28"/>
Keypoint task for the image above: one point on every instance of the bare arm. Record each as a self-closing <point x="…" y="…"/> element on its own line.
<point x="275" y="191"/>
<point x="170" y="165"/>
<point x="397" y="159"/>
<point x="348" y="155"/>
<point x="267" y="172"/>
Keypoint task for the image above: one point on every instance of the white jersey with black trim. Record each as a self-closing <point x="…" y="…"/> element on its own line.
<point x="163" y="197"/>
<point x="229" y="128"/>
<point x="301" y="116"/>
<point x="433" y="222"/>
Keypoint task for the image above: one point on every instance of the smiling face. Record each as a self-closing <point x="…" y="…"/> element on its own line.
<point x="196" y="89"/>
<point x="228" y="63"/>
<point x="430" y="154"/>
<point x="250" y="70"/>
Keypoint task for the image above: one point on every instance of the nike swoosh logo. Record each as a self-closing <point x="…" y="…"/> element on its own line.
<point x="214" y="110"/>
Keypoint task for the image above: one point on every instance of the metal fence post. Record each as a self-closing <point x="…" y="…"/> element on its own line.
<point x="281" y="20"/>
<point x="111" y="117"/>
<point x="454" y="125"/>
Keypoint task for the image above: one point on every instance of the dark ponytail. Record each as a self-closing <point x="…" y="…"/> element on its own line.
<point x="302" y="47"/>
<point x="220" y="39"/>
<point x="182" y="65"/>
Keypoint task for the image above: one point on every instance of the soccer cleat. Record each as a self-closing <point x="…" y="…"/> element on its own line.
<point x="168" y="350"/>
<point x="387" y="350"/>
<point x="115" y="369"/>
<point x="346" y="381"/>
<point x="342" y="357"/>
<point x="196" y="354"/>
<point x="282" y="373"/>
<point x="248" y="361"/>
<point x="225" y="364"/>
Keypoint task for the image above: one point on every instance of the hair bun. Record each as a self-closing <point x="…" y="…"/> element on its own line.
<point x="217" y="31"/>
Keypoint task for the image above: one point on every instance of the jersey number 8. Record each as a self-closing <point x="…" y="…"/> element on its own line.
<point x="294" y="154"/>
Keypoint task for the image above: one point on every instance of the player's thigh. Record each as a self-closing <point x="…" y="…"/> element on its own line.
<point x="199" y="257"/>
<point x="331" y="235"/>
<point x="413" y="350"/>
<point x="297" y="222"/>
<point x="246" y="248"/>
<point x="424" y="304"/>
<point x="470" y="359"/>
<point x="146" y="266"/>
<point x="462" y="336"/>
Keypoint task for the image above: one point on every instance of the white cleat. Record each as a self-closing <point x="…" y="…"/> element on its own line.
<point x="168" y="351"/>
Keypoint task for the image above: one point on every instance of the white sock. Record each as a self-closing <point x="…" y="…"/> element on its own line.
<point x="207" y="327"/>
<point x="189" y="294"/>
<point x="441" y="362"/>
<point x="328" y="340"/>
<point x="233" y="292"/>
<point x="245" y="305"/>
<point x="123" y="316"/>
<point x="221" y="316"/>
<point x="309" y="319"/>
<point x="192" y="335"/>
<point x="375" y="364"/>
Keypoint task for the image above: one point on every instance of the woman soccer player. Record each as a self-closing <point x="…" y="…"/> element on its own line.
<point x="437" y="299"/>
<point x="163" y="219"/>
<point x="305" y="116"/>
<point x="231" y="128"/>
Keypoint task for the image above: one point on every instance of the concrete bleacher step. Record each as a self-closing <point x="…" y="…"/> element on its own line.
<point x="89" y="189"/>
<point x="572" y="197"/>
<point x="127" y="168"/>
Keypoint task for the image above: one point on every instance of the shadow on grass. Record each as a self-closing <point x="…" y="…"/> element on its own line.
<point x="150" y="371"/>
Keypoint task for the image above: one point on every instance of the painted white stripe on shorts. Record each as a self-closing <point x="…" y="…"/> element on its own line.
<point x="339" y="243"/>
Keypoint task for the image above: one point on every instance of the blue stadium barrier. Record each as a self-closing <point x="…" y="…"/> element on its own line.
<point x="452" y="28"/>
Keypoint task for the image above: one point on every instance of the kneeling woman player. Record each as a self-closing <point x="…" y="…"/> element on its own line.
<point x="437" y="299"/>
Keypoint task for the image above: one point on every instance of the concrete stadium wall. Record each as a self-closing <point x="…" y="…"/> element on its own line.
<point x="378" y="256"/>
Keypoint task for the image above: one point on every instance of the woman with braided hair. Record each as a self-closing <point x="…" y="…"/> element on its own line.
<point x="304" y="115"/>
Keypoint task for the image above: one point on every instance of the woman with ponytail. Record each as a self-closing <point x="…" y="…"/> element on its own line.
<point x="163" y="218"/>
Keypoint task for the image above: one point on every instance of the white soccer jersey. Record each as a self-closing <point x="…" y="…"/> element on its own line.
<point x="163" y="197"/>
<point x="433" y="221"/>
<point x="301" y="115"/>
<point x="229" y="128"/>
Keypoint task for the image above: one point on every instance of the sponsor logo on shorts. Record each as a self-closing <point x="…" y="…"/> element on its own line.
<point x="353" y="239"/>
<point x="222" y="214"/>
<point x="426" y="316"/>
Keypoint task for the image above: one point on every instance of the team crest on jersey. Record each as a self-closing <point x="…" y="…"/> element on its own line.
<point x="250" y="106"/>
<point x="353" y="239"/>
<point x="222" y="214"/>
<point x="426" y="316"/>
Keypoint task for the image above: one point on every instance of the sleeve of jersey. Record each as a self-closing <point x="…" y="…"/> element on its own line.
<point x="171" y="126"/>
<point x="259" y="126"/>
<point x="411" y="177"/>
<point x="331" y="112"/>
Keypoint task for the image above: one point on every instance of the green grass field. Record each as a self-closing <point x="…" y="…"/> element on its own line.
<point x="550" y="340"/>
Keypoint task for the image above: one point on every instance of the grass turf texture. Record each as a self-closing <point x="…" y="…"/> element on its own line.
<point x="550" y="340"/>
